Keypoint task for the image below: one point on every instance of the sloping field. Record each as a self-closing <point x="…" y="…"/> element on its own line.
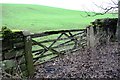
<point x="37" y="18"/>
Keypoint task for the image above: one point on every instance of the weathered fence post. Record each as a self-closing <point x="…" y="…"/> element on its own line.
<point x="90" y="37"/>
<point x="28" y="53"/>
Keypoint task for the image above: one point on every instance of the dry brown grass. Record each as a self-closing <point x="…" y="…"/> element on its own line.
<point x="99" y="62"/>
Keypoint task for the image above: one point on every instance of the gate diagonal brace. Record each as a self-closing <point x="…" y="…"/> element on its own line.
<point x="77" y="42"/>
<point x="46" y="48"/>
<point x="68" y="41"/>
<point x="55" y="41"/>
<point x="72" y="38"/>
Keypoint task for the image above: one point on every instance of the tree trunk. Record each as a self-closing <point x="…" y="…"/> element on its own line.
<point x="118" y="27"/>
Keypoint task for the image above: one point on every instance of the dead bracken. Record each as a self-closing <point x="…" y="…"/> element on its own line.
<point x="100" y="62"/>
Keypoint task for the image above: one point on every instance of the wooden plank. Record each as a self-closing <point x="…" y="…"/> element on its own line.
<point x="55" y="41"/>
<point x="68" y="50"/>
<point x="60" y="39"/>
<point x="40" y="50"/>
<point x="37" y="52"/>
<point x="46" y="48"/>
<point x="62" y="44"/>
<point x="75" y="40"/>
<point x="46" y="41"/>
<point x="65" y="45"/>
<point x="72" y="39"/>
<point x="54" y="32"/>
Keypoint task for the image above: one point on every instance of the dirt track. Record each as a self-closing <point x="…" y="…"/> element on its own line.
<point x="102" y="62"/>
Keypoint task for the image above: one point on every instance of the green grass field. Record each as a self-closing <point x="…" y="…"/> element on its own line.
<point x="37" y="18"/>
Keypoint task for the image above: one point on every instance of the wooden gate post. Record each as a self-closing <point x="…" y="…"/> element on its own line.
<point x="28" y="53"/>
<point x="90" y="37"/>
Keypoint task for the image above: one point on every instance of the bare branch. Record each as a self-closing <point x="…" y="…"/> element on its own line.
<point x="114" y="2"/>
<point x="106" y="10"/>
<point x="98" y="6"/>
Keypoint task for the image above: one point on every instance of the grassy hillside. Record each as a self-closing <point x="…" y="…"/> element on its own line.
<point x="37" y="18"/>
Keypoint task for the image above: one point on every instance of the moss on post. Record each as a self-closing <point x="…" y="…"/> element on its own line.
<point x="28" y="54"/>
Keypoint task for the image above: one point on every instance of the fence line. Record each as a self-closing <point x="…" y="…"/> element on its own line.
<point x="21" y="47"/>
<point x="66" y="42"/>
<point x="27" y="49"/>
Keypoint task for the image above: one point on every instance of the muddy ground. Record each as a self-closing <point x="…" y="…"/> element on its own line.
<point x="99" y="62"/>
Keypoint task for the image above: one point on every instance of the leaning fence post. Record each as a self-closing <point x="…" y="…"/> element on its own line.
<point x="28" y="53"/>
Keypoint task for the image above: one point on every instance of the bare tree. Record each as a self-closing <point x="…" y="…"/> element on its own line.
<point x="112" y="8"/>
<point x="109" y="9"/>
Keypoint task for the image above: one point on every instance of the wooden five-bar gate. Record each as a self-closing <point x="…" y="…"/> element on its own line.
<point x="25" y="49"/>
<point x="57" y="42"/>
<point x="29" y="49"/>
